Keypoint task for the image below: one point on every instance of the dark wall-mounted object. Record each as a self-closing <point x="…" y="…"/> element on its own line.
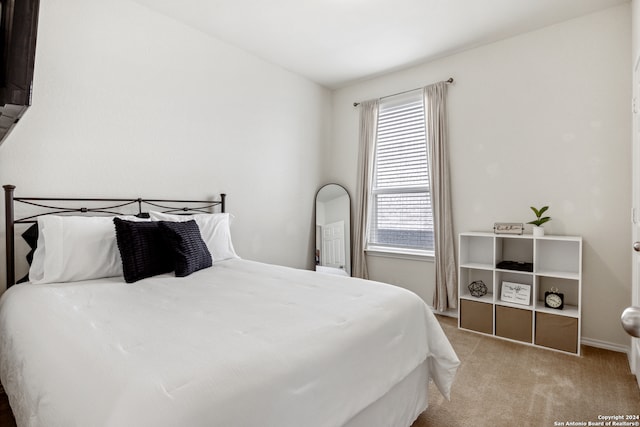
<point x="18" y="31"/>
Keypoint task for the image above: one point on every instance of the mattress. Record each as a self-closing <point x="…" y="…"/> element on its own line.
<point x="239" y="344"/>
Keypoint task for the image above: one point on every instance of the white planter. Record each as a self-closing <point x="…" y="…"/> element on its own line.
<point x="538" y="231"/>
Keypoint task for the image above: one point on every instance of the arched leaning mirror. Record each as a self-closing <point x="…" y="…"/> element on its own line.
<point x="333" y="230"/>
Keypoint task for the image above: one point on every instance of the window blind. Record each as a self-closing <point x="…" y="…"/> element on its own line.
<point x="401" y="201"/>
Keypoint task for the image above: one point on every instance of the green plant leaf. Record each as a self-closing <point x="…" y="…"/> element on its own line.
<point x="539" y="213"/>
<point x="543" y="220"/>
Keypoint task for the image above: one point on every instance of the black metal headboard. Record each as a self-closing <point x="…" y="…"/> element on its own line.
<point x="61" y="205"/>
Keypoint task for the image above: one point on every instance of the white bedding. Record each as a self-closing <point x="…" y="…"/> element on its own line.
<point x="238" y="344"/>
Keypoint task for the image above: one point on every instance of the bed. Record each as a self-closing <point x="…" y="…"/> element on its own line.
<point x="238" y="343"/>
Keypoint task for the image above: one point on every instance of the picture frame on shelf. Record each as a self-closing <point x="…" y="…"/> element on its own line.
<point x="517" y="293"/>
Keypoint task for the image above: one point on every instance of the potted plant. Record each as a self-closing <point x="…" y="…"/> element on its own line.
<point x="538" y="230"/>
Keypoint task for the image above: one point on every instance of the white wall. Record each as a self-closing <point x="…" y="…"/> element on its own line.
<point x="541" y="118"/>
<point x="127" y="102"/>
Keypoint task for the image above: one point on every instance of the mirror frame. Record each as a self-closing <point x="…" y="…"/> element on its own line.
<point x="347" y="232"/>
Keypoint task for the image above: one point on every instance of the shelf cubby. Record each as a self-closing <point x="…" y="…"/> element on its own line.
<point x="514" y="323"/>
<point x="476" y="316"/>
<point x="468" y="275"/>
<point x="477" y="252"/>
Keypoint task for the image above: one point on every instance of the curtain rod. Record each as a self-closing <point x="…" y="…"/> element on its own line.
<point x="449" y="81"/>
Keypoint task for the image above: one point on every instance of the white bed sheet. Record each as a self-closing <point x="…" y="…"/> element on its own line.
<point x="239" y="344"/>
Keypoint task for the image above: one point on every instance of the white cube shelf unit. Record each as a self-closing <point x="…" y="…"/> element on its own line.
<point x="542" y="263"/>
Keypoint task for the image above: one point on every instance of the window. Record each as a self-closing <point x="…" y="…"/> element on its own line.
<point x="401" y="216"/>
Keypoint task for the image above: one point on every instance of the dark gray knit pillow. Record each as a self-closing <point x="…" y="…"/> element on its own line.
<point x="190" y="252"/>
<point x="143" y="249"/>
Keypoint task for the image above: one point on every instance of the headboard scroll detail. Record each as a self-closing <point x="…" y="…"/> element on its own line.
<point x="103" y="206"/>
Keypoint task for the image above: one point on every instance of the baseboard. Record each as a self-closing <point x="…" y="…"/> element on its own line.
<point x="605" y="345"/>
<point x="452" y="312"/>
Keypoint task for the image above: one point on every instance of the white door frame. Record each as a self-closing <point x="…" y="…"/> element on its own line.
<point x="634" y="355"/>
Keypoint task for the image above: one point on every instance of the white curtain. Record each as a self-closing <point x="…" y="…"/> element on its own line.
<point x="446" y="293"/>
<point x="367" y="138"/>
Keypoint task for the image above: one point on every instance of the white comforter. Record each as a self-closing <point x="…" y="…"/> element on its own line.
<point x="238" y="344"/>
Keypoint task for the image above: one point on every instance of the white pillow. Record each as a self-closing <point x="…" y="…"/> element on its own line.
<point x="72" y="248"/>
<point x="214" y="229"/>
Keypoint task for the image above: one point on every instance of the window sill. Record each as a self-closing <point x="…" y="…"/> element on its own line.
<point x="413" y="254"/>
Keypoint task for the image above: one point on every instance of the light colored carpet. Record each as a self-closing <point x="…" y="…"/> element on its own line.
<point x="501" y="383"/>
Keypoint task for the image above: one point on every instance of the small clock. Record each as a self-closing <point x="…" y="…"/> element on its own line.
<point x="554" y="299"/>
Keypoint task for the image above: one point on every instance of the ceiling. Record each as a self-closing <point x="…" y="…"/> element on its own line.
<point x="337" y="42"/>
